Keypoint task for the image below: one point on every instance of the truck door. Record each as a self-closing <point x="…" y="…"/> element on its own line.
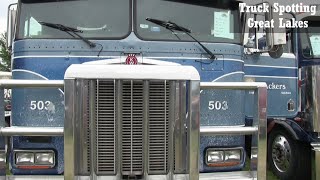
<point x="281" y="76"/>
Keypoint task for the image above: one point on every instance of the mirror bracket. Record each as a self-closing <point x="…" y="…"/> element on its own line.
<point x="11" y="22"/>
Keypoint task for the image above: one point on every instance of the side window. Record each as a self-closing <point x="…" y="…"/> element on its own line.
<point x="32" y="28"/>
<point x="288" y="48"/>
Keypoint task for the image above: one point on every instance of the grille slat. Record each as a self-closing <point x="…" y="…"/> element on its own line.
<point x="105" y="123"/>
<point x="132" y="120"/>
<point x="158" y="122"/>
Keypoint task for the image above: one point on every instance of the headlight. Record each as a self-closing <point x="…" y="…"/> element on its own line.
<point x="44" y="158"/>
<point x="232" y="155"/>
<point x="24" y="158"/>
<point x="214" y="156"/>
<point x="223" y="157"/>
<point x="34" y="159"/>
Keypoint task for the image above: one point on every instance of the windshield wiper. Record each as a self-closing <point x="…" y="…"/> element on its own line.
<point x="69" y="30"/>
<point x="173" y="26"/>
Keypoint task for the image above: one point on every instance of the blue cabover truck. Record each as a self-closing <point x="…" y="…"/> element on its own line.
<point x="293" y="100"/>
<point x="293" y="142"/>
<point x="141" y="89"/>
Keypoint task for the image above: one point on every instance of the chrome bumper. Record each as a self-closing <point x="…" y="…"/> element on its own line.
<point x="258" y="130"/>
<point x="241" y="175"/>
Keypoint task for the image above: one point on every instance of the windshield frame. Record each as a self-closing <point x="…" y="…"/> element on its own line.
<point x="135" y="29"/>
<point x="17" y="30"/>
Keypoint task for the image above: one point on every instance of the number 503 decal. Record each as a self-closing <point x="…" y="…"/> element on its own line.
<point x="218" y="105"/>
<point x="39" y="105"/>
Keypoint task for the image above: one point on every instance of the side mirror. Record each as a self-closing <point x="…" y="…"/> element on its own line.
<point x="276" y="36"/>
<point x="11" y="22"/>
<point x="265" y="39"/>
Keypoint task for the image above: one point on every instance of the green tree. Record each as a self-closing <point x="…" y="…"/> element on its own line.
<point x="5" y="54"/>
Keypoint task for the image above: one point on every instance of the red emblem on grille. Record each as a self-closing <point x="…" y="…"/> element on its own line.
<point x="131" y="59"/>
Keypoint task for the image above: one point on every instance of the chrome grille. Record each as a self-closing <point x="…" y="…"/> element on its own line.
<point x="132" y="127"/>
<point x="133" y="122"/>
<point x="123" y="114"/>
<point x="105" y="127"/>
<point x="158" y="127"/>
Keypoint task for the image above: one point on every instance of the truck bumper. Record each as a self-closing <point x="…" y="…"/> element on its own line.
<point x="240" y="175"/>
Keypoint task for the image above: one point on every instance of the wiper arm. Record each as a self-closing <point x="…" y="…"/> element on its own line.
<point x="173" y="26"/>
<point x="69" y="30"/>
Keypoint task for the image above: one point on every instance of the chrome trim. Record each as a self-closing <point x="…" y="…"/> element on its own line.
<point x="31" y="131"/>
<point x="259" y="139"/>
<point x="78" y="117"/>
<point x="93" y="128"/>
<point x="260" y="120"/>
<point x="27" y="131"/>
<point x="131" y="125"/>
<point x="119" y="124"/>
<point x="13" y="83"/>
<point x="180" y="129"/>
<point x="313" y="96"/>
<point x="193" y="130"/>
<point x="316" y="161"/>
<point x="115" y="126"/>
<point x="84" y="131"/>
<point x="146" y="85"/>
<point x="232" y="85"/>
<point x="238" y="175"/>
<point x="140" y="72"/>
<point x="165" y="125"/>
<point x="172" y="110"/>
<point x="69" y="139"/>
<point x="34" y="177"/>
<point x="216" y="130"/>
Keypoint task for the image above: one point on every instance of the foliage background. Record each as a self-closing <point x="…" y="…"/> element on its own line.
<point x="5" y="54"/>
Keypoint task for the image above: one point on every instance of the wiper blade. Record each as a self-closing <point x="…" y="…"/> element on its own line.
<point x="173" y="26"/>
<point x="69" y="30"/>
<point x="168" y="25"/>
<point x="60" y="27"/>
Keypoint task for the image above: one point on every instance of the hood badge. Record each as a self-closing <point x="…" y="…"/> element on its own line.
<point x="131" y="59"/>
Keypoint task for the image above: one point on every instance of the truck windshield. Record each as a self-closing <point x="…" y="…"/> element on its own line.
<point x="209" y="21"/>
<point x="103" y="19"/>
<point x="310" y="40"/>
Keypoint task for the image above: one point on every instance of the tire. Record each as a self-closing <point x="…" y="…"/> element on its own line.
<point x="288" y="159"/>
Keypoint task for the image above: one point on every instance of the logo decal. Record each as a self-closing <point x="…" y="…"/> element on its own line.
<point x="131" y="59"/>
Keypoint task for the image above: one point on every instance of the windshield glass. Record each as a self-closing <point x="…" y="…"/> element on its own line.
<point x="209" y="21"/>
<point x="102" y="19"/>
<point x="310" y="40"/>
